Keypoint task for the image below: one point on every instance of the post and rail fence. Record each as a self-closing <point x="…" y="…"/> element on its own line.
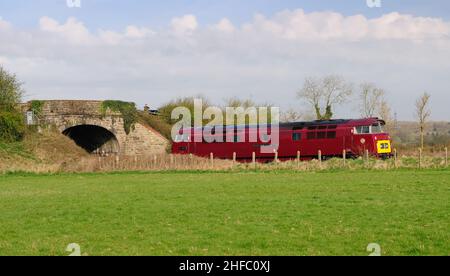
<point x="168" y="162"/>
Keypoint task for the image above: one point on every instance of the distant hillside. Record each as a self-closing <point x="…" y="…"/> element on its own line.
<point x="407" y="133"/>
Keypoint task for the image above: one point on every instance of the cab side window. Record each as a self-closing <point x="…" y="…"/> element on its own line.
<point x="363" y="129"/>
<point x="296" y="136"/>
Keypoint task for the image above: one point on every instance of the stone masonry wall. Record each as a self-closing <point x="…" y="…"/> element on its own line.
<point x="142" y="140"/>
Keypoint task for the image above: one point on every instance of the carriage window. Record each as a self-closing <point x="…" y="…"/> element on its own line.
<point x="312" y="127"/>
<point x="322" y="127"/>
<point x="331" y="134"/>
<point x="332" y="127"/>
<point x="321" y="135"/>
<point x="311" y="135"/>
<point x="296" y="136"/>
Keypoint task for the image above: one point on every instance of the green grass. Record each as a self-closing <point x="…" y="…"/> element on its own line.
<point x="273" y="213"/>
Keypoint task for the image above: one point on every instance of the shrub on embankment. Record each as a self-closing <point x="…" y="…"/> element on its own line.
<point x="12" y="127"/>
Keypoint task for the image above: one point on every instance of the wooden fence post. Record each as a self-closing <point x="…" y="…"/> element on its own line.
<point x="344" y="157"/>
<point x="234" y="158"/>
<point x="446" y="157"/>
<point x="117" y="162"/>
<point x="320" y="156"/>
<point x="395" y="158"/>
<point x="212" y="160"/>
<point x="298" y="159"/>
<point x="276" y="156"/>
<point x="420" y="158"/>
<point x="254" y="159"/>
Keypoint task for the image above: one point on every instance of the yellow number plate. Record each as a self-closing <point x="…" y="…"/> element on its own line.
<point x="384" y="146"/>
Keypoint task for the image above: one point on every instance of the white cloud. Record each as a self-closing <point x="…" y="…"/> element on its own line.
<point x="73" y="30"/>
<point x="224" y="25"/>
<point x="266" y="58"/>
<point x="331" y="25"/>
<point x="136" y="32"/>
<point x="398" y="26"/>
<point x="4" y="24"/>
<point x="110" y="37"/>
<point x="186" y="24"/>
<point x="4" y="60"/>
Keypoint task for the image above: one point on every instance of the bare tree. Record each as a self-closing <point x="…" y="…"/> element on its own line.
<point x="236" y="102"/>
<point x="290" y="116"/>
<point x="371" y="100"/>
<point x="423" y="113"/>
<point x="385" y="112"/>
<point x="325" y="93"/>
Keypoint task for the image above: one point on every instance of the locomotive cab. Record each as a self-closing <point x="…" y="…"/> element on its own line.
<point x="371" y="136"/>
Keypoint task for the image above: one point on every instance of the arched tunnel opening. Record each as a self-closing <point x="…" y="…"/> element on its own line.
<point x="94" y="139"/>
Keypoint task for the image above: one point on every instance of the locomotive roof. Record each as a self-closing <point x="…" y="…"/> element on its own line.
<point x="318" y="123"/>
<point x="332" y="122"/>
<point x="314" y="123"/>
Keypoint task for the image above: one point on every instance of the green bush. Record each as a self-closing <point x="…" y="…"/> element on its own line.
<point x="37" y="106"/>
<point x="158" y="123"/>
<point x="12" y="127"/>
<point x="127" y="110"/>
<point x="10" y="90"/>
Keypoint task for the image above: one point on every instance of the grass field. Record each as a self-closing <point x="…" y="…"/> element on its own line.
<point x="273" y="213"/>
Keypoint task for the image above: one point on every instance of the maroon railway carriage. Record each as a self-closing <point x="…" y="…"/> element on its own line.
<point x="330" y="137"/>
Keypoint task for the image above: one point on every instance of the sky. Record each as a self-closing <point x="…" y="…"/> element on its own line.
<point x="151" y="52"/>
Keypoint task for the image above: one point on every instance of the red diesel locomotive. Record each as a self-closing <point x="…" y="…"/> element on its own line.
<point x="330" y="137"/>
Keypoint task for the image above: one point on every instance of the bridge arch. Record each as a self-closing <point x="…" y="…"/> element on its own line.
<point x="93" y="138"/>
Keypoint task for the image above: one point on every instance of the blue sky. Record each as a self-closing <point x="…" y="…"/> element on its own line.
<point x="154" y="51"/>
<point x="115" y="14"/>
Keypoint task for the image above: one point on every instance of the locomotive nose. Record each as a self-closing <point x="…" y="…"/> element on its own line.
<point x="383" y="146"/>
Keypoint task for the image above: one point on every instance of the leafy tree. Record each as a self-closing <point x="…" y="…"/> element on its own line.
<point x="11" y="91"/>
<point x="12" y="126"/>
<point x="187" y="102"/>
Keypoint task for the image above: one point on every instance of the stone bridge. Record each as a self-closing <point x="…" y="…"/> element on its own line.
<point x="94" y="130"/>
